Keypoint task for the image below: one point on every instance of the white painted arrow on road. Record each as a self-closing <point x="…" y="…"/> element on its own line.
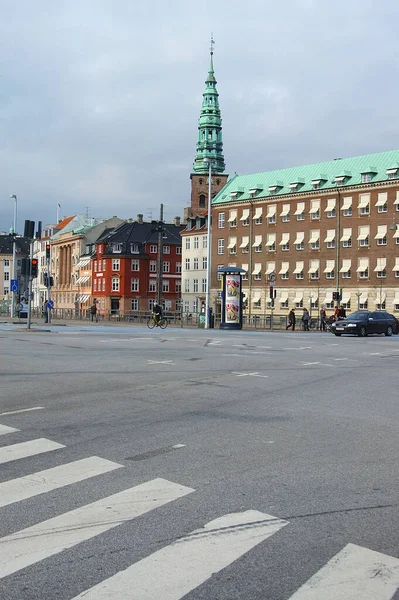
<point x="355" y="573"/>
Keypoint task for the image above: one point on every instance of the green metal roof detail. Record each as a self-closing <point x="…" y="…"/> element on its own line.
<point x="210" y="143"/>
<point x="277" y="183"/>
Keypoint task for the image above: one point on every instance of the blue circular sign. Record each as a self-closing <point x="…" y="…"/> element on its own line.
<point x="50" y="304"/>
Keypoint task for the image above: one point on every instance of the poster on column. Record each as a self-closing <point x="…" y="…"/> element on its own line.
<point x="232" y="299"/>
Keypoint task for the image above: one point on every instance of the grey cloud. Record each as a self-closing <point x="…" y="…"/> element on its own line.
<point x="99" y="100"/>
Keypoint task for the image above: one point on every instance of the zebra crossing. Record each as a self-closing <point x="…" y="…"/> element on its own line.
<point x="176" y="569"/>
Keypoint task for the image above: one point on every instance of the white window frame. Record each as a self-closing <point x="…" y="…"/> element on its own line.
<point x="221" y="220"/>
<point x="135" y="263"/>
<point x="220" y="246"/>
<point x="135" y="284"/>
<point x="116" y="264"/>
<point x="115" y="284"/>
<point x="153" y="249"/>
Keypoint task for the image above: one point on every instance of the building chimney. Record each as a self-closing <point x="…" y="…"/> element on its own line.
<point x="176" y="221"/>
<point x="139" y="218"/>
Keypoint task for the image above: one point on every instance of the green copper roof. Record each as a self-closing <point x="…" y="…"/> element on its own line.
<point x="299" y="179"/>
<point x="210" y="144"/>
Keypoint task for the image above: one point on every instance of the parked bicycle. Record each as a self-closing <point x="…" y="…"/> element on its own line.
<point x="153" y="321"/>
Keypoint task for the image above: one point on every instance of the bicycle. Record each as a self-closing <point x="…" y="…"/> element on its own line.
<point x="154" y="322"/>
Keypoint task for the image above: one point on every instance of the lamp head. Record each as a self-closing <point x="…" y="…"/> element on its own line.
<point x="13" y="196"/>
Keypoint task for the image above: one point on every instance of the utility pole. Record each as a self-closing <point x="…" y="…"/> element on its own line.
<point x="30" y="285"/>
<point x="160" y="261"/>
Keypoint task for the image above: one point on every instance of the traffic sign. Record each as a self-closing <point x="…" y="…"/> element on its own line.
<point x="50" y="304"/>
<point x="272" y="276"/>
<point x="14" y="285"/>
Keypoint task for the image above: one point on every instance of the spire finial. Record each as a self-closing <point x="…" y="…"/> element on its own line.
<point x="212" y="44"/>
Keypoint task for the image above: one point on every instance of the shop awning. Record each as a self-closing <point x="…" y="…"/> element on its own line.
<point x="346" y="234"/>
<point x="300" y="208"/>
<point x="245" y="214"/>
<point x="232" y="217"/>
<point x="286" y="210"/>
<point x="271" y="211"/>
<point x="330" y="266"/>
<point x="257" y="269"/>
<point x="245" y="241"/>
<point x="232" y="243"/>
<point x="330" y="237"/>
<point x="380" y="296"/>
<point x="298" y="297"/>
<point x="271" y="239"/>
<point x="271" y="267"/>
<point x="364" y="232"/>
<point x="300" y="236"/>
<point x="396" y="268"/>
<point x="83" y="298"/>
<point x="285" y="267"/>
<point x="364" y="200"/>
<point x="299" y="267"/>
<point x="83" y="262"/>
<point x="328" y="297"/>
<point x="347" y="203"/>
<point x="396" y="201"/>
<point x="381" y="265"/>
<point x="314" y="236"/>
<point x="83" y="279"/>
<point x="283" y="297"/>
<point x="314" y="266"/>
<point x="257" y="242"/>
<point x="313" y="296"/>
<point x="331" y="202"/>
<point x="346" y="266"/>
<point x="381" y="232"/>
<point x="363" y="297"/>
<point x="314" y="207"/>
<point x="285" y="238"/>
<point x="346" y="296"/>
<point x="363" y="265"/>
<point x="382" y="199"/>
<point x="245" y="267"/>
<point x="256" y="297"/>
<point x="258" y="212"/>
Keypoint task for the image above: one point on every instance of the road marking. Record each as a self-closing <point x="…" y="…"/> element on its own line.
<point x="372" y="353"/>
<point x="299" y="348"/>
<point x="25" y="449"/>
<point x="202" y="553"/>
<point x="53" y="479"/>
<point x="160" y="362"/>
<point x="214" y="343"/>
<point x="240" y="355"/>
<point x="255" y="374"/>
<point x="21" y="410"/>
<point x="177" y="446"/>
<point x="4" y="429"/>
<point x="308" y="364"/>
<point x="355" y="573"/>
<point x="29" y="546"/>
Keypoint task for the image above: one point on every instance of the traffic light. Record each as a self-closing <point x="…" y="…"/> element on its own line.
<point x="34" y="267"/>
<point x="271" y="292"/>
<point x="335" y="296"/>
<point x="47" y="252"/>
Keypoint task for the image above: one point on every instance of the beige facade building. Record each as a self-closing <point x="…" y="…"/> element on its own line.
<point x="194" y="263"/>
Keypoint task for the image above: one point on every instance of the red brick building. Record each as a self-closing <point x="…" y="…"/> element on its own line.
<point x="125" y="267"/>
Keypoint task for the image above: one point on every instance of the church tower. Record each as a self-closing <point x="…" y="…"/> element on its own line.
<point x="209" y="145"/>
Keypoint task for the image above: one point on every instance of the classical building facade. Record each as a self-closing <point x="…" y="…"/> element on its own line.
<point x="313" y="230"/>
<point x="71" y="250"/>
<point x="194" y="263"/>
<point x="125" y="269"/>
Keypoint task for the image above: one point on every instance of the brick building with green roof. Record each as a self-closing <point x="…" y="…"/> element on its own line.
<point x="317" y="229"/>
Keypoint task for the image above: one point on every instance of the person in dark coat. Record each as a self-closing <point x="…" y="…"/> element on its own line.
<point x="291" y="319"/>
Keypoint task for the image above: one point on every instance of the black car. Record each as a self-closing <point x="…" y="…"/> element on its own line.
<point x="364" y="322"/>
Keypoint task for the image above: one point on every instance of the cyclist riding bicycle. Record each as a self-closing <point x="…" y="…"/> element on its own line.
<point x="157" y="312"/>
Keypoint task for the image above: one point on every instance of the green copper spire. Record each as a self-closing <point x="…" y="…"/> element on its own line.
<point x="210" y="144"/>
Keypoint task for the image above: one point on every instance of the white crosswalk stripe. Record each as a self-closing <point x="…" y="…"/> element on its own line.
<point x="355" y="573"/>
<point x="4" y="429"/>
<point x="203" y="552"/>
<point x="25" y="449"/>
<point x="52" y="479"/>
<point x="27" y="547"/>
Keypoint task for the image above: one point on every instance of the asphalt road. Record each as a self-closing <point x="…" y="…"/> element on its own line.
<point x="230" y="465"/>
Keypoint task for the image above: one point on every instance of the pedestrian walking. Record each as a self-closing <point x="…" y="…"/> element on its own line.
<point x="305" y="319"/>
<point x="93" y="312"/>
<point x="291" y="320"/>
<point x="323" y="318"/>
<point x="341" y="312"/>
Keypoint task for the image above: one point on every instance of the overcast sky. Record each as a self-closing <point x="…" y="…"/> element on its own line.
<point x="100" y="99"/>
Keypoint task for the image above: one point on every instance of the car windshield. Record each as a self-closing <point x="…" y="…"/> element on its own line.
<point x="357" y="316"/>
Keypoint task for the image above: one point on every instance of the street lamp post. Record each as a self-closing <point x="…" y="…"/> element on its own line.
<point x="209" y="242"/>
<point x="14" y="254"/>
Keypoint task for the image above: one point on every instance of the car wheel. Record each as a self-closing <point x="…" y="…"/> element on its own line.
<point x="362" y="331"/>
<point x="337" y="334"/>
<point x="389" y="331"/>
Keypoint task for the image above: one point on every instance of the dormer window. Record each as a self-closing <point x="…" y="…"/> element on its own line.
<point x="134" y="249"/>
<point x="340" y="181"/>
<point x="367" y="177"/>
<point x="117" y="248"/>
<point x="393" y="173"/>
<point x="296" y="185"/>
<point x="318" y="183"/>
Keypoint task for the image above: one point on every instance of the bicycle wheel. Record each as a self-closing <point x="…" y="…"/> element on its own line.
<point x="150" y="323"/>
<point x="163" y="323"/>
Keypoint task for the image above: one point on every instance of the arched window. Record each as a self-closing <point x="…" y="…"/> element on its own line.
<point x="202" y="201"/>
<point x="217" y="181"/>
